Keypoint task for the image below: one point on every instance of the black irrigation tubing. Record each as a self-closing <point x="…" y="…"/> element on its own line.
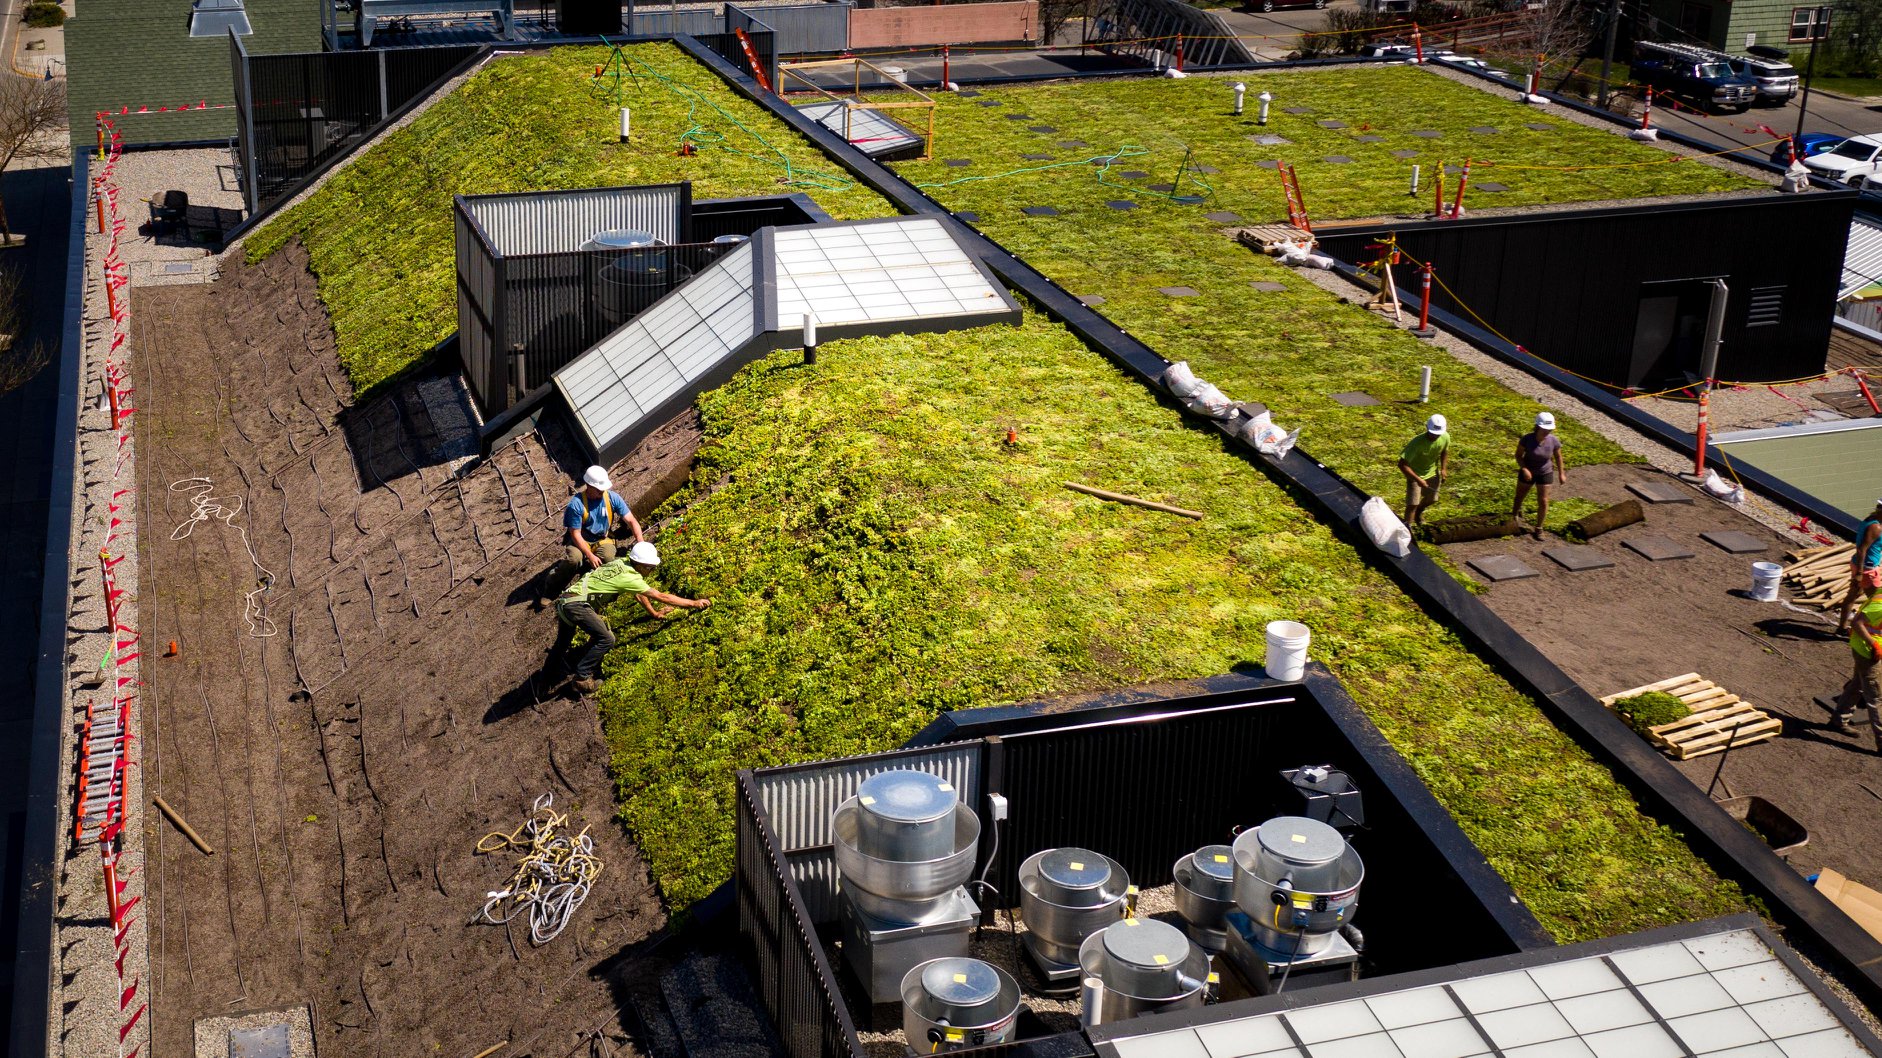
<point x="1664" y="792"/>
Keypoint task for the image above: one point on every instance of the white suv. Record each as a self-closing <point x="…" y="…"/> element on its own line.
<point x="1777" y="80"/>
<point x="1850" y="161"/>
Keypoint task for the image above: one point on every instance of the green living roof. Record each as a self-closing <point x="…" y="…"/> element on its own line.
<point x="139" y="53"/>
<point x="1839" y="463"/>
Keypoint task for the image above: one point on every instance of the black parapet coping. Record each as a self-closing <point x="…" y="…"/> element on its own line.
<point x="1318" y="686"/>
<point x="1480" y="968"/>
<point x="32" y="960"/>
<point x="1663" y="791"/>
<point x="1776" y="489"/>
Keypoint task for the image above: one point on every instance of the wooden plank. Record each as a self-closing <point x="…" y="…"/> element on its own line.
<point x="1659" y="686"/>
<point x="1769" y="729"/>
<point x="1717" y="718"/>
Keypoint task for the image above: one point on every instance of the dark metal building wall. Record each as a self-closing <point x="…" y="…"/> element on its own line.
<point x="1567" y="286"/>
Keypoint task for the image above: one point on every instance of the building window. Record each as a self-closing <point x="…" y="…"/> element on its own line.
<point x="1809" y="23"/>
<point x="1695" y="20"/>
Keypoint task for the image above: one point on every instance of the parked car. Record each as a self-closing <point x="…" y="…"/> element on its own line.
<point x="1387" y="50"/>
<point x="1462" y="60"/>
<point x="1849" y="162"/>
<point x="1775" y="78"/>
<point x="1809" y="145"/>
<point x="1270" y="5"/>
<point x="1698" y="74"/>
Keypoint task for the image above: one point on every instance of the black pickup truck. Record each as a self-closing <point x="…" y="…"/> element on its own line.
<point x="1694" y="74"/>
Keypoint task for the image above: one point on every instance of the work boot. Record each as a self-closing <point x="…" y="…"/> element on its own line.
<point x="587" y="684"/>
<point x="1843" y="719"/>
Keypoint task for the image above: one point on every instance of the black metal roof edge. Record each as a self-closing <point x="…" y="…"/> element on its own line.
<point x="1549" y="213"/>
<point x="683" y="186"/>
<point x="1665" y="793"/>
<point x="1773" y="488"/>
<point x="959" y="725"/>
<point x="1372" y="986"/>
<point x="32" y="958"/>
<point x="1123" y="72"/>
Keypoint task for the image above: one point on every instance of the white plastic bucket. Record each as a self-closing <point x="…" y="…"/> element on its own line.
<point x="1764" y="581"/>
<point x="1287" y="649"/>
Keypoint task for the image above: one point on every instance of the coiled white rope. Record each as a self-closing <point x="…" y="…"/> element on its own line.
<point x="206" y="505"/>
<point x="555" y="874"/>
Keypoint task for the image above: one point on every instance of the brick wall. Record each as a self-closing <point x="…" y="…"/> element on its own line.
<point x="890" y="27"/>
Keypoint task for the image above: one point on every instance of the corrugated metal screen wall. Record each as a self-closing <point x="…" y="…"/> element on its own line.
<point x="802" y="29"/>
<point x="560" y="221"/>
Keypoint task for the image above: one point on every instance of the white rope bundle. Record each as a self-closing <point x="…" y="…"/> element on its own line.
<point x="555" y="874"/>
<point x="206" y="505"/>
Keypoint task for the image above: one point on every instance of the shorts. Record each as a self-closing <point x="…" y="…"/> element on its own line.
<point x="1545" y="476"/>
<point x="1417" y="495"/>
<point x="1869" y="579"/>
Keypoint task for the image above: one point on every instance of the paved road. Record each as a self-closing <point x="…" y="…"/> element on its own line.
<point x="1844" y="117"/>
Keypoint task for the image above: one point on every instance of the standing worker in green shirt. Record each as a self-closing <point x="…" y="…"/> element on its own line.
<point x="1865" y="685"/>
<point x="1425" y="462"/>
<point x="580" y="607"/>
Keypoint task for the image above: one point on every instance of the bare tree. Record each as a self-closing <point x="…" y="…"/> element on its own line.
<point x="19" y="362"/>
<point x="32" y="116"/>
<point x="1558" y="29"/>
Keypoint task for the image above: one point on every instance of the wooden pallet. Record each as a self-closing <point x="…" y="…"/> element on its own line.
<point x="1716" y="713"/>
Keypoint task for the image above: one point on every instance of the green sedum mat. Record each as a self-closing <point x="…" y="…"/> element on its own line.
<point x="878" y="555"/>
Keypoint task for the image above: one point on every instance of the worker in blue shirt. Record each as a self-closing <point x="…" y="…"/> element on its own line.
<point x="590" y="521"/>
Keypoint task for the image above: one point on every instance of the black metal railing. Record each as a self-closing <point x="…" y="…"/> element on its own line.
<point x="727" y="46"/>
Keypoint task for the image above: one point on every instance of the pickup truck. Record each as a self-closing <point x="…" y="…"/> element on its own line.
<point x="1702" y="80"/>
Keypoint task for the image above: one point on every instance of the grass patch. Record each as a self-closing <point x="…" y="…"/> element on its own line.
<point x="1645" y="711"/>
<point x="878" y="555"/>
<point x="379" y="233"/>
<point x="1857" y="86"/>
<point x="1293" y="349"/>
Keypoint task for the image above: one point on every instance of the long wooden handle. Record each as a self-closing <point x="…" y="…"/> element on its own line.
<point x="188" y="831"/>
<point x="1132" y="500"/>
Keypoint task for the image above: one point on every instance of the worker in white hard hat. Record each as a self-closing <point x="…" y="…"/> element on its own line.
<point x="1539" y="465"/>
<point x="590" y="523"/>
<point x="1425" y="462"/>
<point x="580" y="608"/>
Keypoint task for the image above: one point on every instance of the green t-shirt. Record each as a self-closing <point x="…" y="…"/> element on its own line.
<point x="608" y="582"/>
<point x="1422" y="453"/>
<point x="1871" y="612"/>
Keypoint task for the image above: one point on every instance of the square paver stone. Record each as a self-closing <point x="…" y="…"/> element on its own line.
<point x="1538" y="126"/>
<point x="1162" y="187"/>
<point x="1019" y="117"/>
<point x="1133" y="174"/>
<point x="1091" y="301"/>
<point x="969" y="218"/>
<point x="1179" y="292"/>
<point x="1368" y="139"/>
<point x="1073" y="143"/>
<point x="1270" y="287"/>
<point x="1578" y="559"/>
<point x="1404" y="154"/>
<point x="991" y="103"/>
<point x="1660" y="492"/>
<point x="1223" y="217"/>
<point x="1041" y="128"/>
<point x="1269" y="139"/>
<point x="1040" y="211"/>
<point x="1207" y="170"/>
<point x="1453" y="170"/>
<point x="956" y="163"/>
<point x="1338" y="159"/>
<point x="1502" y="567"/>
<point x="1296" y="110"/>
<point x="1353" y="398"/>
<point x="1491" y="186"/>
<point x="1121" y="204"/>
<point x="1331" y="124"/>
<point x="968" y="93"/>
<point x="1268" y="165"/>
<point x="1734" y="542"/>
<point x="1657" y="548"/>
<point x="1485" y="130"/>
<point x="1188" y="200"/>
<point x="1428" y="134"/>
<point x="268" y="1041"/>
<point x="1037" y="157"/>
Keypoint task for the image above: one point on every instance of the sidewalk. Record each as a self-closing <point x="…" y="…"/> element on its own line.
<point x="37" y="51"/>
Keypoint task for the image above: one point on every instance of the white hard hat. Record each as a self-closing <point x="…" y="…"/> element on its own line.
<point x="1545" y="421"/>
<point x="597" y="478"/>
<point x="1436" y="425"/>
<point x="644" y="553"/>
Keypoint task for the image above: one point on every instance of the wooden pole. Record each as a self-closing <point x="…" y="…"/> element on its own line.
<point x="1119" y="497"/>
<point x="178" y="821"/>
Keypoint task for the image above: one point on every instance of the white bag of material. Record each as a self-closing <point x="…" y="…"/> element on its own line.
<point x="1315" y="260"/>
<point x="1268" y="438"/>
<point x="1384" y="529"/>
<point x="1180" y="380"/>
<point x="1730" y="492"/>
<point x="1210" y="401"/>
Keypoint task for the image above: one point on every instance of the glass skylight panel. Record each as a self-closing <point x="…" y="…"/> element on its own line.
<point x="910" y="269"/>
<point x="1726" y="995"/>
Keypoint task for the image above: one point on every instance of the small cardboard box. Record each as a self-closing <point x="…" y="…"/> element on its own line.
<point x="1858" y="901"/>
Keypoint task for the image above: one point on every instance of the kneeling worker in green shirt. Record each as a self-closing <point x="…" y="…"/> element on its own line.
<point x="1424" y="462"/>
<point x="580" y="606"/>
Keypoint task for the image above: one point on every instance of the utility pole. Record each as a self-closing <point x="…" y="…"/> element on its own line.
<point x="1607" y="51"/>
<point x="1821" y="28"/>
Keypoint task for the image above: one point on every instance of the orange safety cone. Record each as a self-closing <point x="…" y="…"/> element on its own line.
<point x="172" y="652"/>
<point x="1012" y="436"/>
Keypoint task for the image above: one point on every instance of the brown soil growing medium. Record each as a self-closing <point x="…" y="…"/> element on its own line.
<point x="1639" y="622"/>
<point x="345" y="738"/>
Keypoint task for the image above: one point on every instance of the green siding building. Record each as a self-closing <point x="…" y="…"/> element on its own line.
<point x="139" y="53"/>
<point x="1732" y="25"/>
